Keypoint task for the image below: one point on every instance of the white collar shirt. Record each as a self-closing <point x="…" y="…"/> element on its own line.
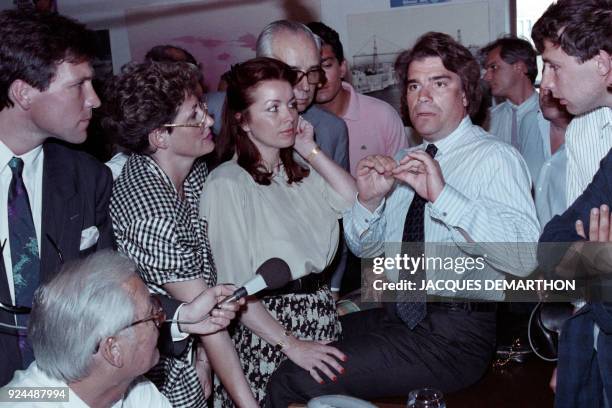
<point x="487" y="195"/>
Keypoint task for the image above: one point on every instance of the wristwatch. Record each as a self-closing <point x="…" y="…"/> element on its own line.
<point x="283" y="342"/>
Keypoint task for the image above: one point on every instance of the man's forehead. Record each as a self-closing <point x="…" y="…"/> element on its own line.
<point x="295" y="49"/>
<point x="494" y="54"/>
<point x="70" y="71"/>
<point x="429" y="67"/>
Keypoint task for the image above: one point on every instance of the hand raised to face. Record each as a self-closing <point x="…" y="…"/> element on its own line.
<point x="304" y="137"/>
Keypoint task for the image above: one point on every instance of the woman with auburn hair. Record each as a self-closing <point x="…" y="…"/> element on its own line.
<point x="153" y="111"/>
<point x="263" y="202"/>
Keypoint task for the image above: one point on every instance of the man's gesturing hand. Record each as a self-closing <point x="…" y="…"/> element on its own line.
<point x="374" y="179"/>
<point x="421" y="172"/>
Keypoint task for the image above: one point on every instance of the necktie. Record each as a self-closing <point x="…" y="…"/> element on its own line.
<point x="24" y="251"/>
<point x="411" y="306"/>
<point x="514" y="134"/>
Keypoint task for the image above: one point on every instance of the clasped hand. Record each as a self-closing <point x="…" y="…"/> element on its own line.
<point x="377" y="174"/>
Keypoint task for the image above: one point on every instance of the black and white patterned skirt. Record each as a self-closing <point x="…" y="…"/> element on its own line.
<point x="310" y="316"/>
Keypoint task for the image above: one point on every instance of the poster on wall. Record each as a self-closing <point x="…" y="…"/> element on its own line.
<point x="402" y="3"/>
<point x="376" y="39"/>
<point x="218" y="34"/>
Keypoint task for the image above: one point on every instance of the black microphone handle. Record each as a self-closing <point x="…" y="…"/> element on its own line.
<point x="238" y="294"/>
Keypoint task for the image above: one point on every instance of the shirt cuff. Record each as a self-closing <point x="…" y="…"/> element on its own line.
<point x="450" y="206"/>
<point x="175" y="332"/>
<point x="363" y="218"/>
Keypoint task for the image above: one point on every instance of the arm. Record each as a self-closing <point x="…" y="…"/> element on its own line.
<point x="573" y="224"/>
<point x="164" y="260"/>
<point x="364" y="224"/>
<point x="219" y="348"/>
<point x="338" y="178"/>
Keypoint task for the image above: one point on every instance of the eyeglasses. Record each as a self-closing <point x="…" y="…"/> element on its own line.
<point x="158" y="317"/>
<point x="204" y="107"/>
<point x="314" y="76"/>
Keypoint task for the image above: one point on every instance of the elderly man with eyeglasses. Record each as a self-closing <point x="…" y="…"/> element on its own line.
<point x="94" y="331"/>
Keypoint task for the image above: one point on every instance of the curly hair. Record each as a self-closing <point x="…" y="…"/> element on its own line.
<point x="580" y="27"/>
<point x="513" y="49"/>
<point x="144" y="97"/>
<point x="242" y="80"/>
<point x="33" y="45"/>
<point x="455" y="58"/>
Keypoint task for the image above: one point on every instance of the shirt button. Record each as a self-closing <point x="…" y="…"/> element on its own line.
<point x="539" y="188"/>
<point x="367" y="221"/>
<point x="444" y="214"/>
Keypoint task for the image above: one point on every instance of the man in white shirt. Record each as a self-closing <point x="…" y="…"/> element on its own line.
<point x="577" y="71"/>
<point x="549" y="188"/>
<point x="94" y="330"/>
<point x="575" y="39"/>
<point x="471" y="188"/>
<point x="511" y="71"/>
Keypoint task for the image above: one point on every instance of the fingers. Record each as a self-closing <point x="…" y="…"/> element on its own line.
<point x="381" y="164"/>
<point x="604" y="223"/>
<point x="336" y="353"/>
<point x="226" y="314"/>
<point x="410" y="166"/>
<point x="220" y="322"/>
<point x="314" y="374"/>
<point x="580" y="229"/>
<point x="323" y="365"/>
<point x="223" y="290"/>
<point x="594" y="225"/>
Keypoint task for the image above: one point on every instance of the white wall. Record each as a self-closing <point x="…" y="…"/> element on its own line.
<point x="335" y="14"/>
<point x="99" y="14"/>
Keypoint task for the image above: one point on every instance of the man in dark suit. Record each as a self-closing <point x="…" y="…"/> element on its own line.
<point x="53" y="198"/>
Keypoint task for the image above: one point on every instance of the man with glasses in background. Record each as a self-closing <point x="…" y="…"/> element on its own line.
<point x="294" y="44"/>
<point x="112" y="324"/>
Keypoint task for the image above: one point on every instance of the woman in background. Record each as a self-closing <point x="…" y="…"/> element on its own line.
<point x="264" y="202"/>
<point x="153" y="111"/>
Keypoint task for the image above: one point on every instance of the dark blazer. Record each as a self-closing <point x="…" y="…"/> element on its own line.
<point x="582" y="373"/>
<point x="75" y="195"/>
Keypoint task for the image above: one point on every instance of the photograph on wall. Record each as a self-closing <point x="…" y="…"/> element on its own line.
<point x="217" y="34"/>
<point x="376" y="39"/>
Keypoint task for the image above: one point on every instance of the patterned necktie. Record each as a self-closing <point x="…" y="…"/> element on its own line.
<point x="514" y="130"/>
<point x="24" y="251"/>
<point x="411" y="306"/>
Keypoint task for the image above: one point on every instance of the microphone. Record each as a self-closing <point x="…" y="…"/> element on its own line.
<point x="272" y="274"/>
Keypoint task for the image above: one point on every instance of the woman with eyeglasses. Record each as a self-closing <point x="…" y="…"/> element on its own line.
<point x="267" y="202"/>
<point x="152" y="110"/>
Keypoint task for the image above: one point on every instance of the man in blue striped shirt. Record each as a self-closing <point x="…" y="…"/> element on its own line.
<point x="472" y="191"/>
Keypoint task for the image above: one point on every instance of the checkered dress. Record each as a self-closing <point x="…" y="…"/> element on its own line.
<point x="168" y="241"/>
